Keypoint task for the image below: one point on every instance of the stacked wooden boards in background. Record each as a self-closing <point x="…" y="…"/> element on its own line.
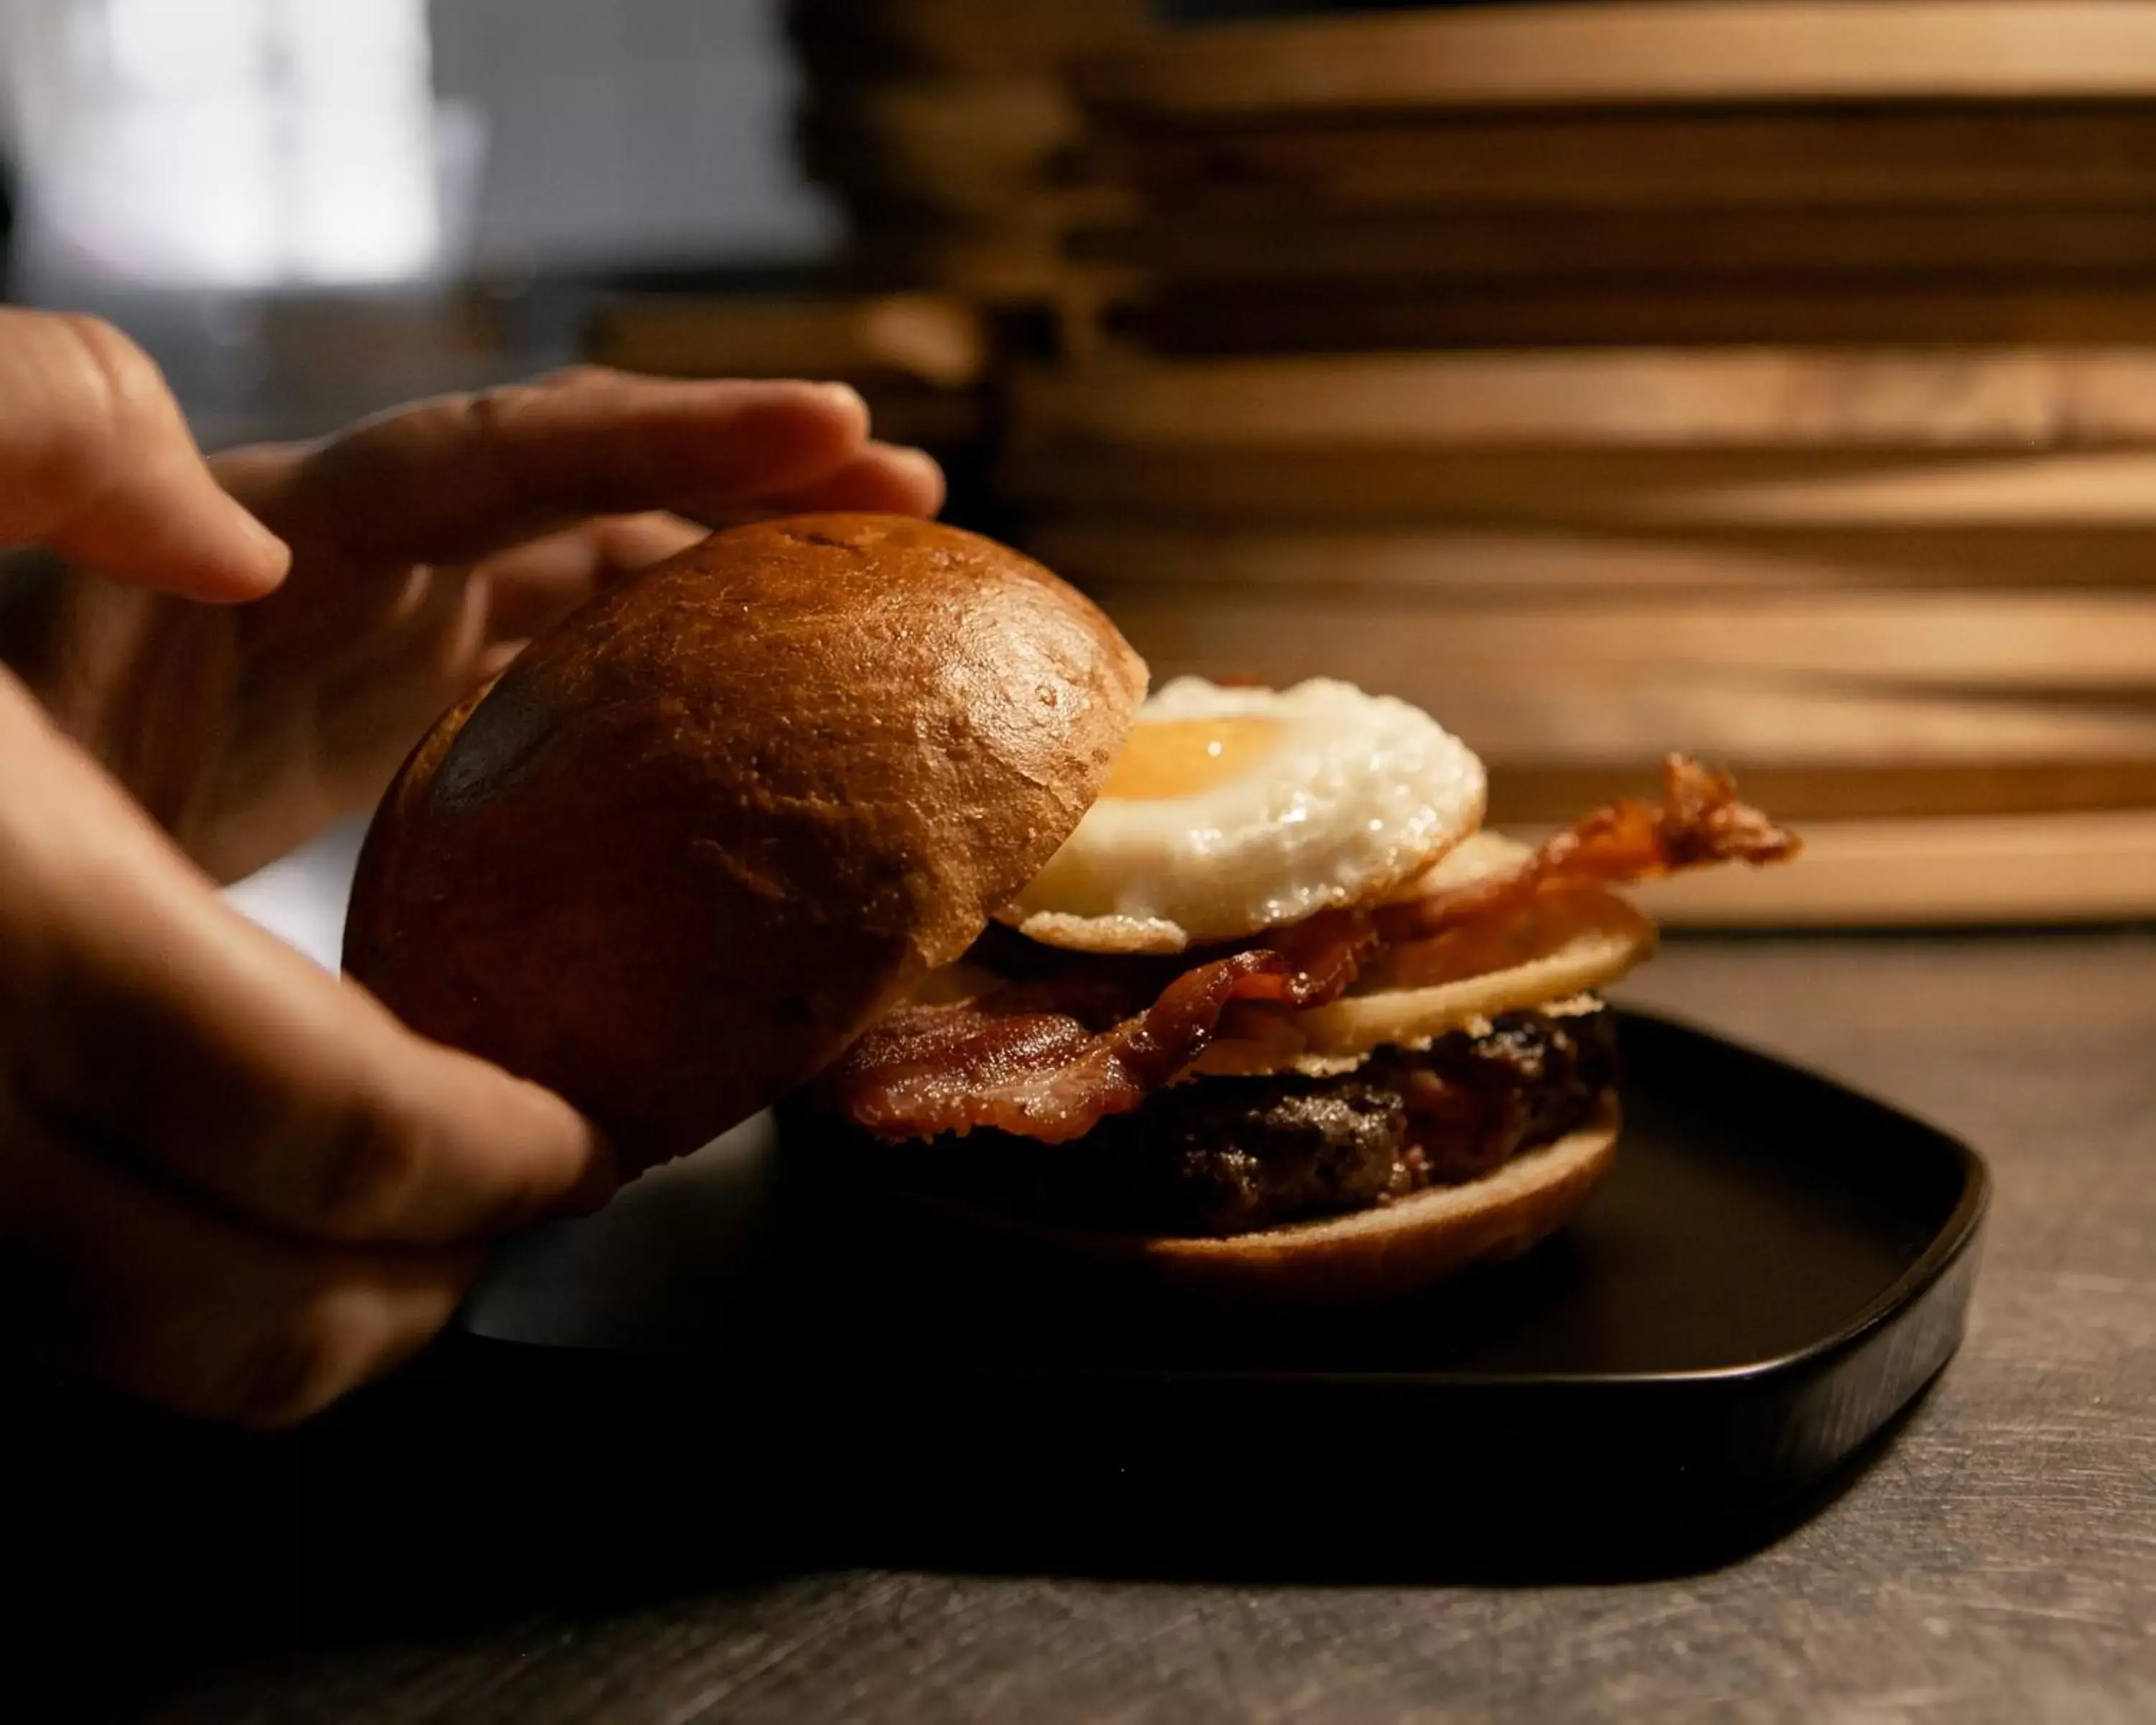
<point x="1702" y="171"/>
<point x="947" y="132"/>
<point x="944" y="130"/>
<point x="1771" y="379"/>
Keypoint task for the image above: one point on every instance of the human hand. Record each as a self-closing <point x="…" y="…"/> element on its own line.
<point x="228" y="1182"/>
<point x="427" y="546"/>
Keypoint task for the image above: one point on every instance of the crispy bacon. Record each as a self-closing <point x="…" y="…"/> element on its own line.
<point x="1078" y="1038"/>
<point x="1698" y="821"/>
<point x="1047" y="1058"/>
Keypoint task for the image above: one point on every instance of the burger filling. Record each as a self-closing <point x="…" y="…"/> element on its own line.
<point x="1228" y="1155"/>
<point x="1347" y="1061"/>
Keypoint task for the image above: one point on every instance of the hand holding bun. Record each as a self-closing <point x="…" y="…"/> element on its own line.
<point x="696" y="838"/>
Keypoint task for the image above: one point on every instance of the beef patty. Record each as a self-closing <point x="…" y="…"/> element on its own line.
<point x="1225" y="1156"/>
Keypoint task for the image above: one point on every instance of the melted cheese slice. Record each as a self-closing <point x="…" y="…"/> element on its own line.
<point x="1549" y="953"/>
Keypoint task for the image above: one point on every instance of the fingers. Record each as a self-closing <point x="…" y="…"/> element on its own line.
<point x="534" y="585"/>
<point x="169" y="1301"/>
<point x="883" y="478"/>
<point x="172" y="1030"/>
<point x="622" y="543"/>
<point x="96" y="463"/>
<point x="455" y="479"/>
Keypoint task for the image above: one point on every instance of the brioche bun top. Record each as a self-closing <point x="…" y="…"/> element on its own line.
<point x="696" y="839"/>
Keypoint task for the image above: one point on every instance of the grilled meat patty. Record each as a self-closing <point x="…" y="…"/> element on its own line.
<point x="1226" y="1156"/>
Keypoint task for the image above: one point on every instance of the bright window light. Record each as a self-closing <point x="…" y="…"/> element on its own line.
<point x="226" y="143"/>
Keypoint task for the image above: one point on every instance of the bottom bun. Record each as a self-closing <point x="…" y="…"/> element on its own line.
<point x="1357" y="1258"/>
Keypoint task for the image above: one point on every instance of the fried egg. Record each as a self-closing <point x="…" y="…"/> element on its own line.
<point x="1234" y="810"/>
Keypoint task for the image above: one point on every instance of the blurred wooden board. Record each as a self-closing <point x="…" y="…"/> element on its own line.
<point x="930" y="339"/>
<point x="1837" y="647"/>
<point x="1346" y="317"/>
<point x="1691" y="51"/>
<point x="2028" y="869"/>
<point x="892" y="196"/>
<point x="1952" y="708"/>
<point x="896" y="192"/>
<point x="925" y="216"/>
<point x="1453" y="250"/>
<point x="1804" y="489"/>
<point x="1659" y="161"/>
<point x="2015" y="398"/>
<point x="2105" y="489"/>
<point x="958" y="36"/>
<point x="935" y="419"/>
<point x="946" y="137"/>
<point x="1526" y="792"/>
<point x="1529" y="560"/>
<point x="985" y="259"/>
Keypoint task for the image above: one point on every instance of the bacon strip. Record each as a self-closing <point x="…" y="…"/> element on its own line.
<point x="1082" y="1037"/>
<point x="1699" y="821"/>
<point x="1034" y="1058"/>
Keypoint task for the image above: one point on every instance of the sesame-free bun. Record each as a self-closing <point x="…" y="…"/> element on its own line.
<point x="694" y="840"/>
<point x="1362" y="1258"/>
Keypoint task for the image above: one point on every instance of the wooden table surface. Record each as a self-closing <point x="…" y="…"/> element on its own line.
<point x="1997" y="1561"/>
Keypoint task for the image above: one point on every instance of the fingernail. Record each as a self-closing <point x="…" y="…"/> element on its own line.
<point x="930" y="473"/>
<point x="846" y="398"/>
<point x="599" y="1182"/>
<point x="267" y="559"/>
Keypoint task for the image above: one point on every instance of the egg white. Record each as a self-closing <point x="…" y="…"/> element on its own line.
<point x="1351" y="796"/>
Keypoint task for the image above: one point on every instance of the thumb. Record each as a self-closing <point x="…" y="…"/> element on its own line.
<point x="97" y="463"/>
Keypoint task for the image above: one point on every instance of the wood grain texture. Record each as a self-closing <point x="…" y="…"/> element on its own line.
<point x="1996" y="1565"/>
<point x="1455" y="249"/>
<point x="1709" y="51"/>
<point x="1837" y="644"/>
<point x="2004" y="870"/>
<point x="1810" y="490"/>
<point x="1942" y="310"/>
<point x="1552" y="793"/>
<point x="1570" y="161"/>
<point x="1527" y="561"/>
<point x="2018" y="399"/>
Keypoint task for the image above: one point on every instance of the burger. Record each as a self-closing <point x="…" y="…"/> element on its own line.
<point x="1226" y="988"/>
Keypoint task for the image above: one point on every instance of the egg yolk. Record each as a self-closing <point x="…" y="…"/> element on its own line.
<point x="1178" y="757"/>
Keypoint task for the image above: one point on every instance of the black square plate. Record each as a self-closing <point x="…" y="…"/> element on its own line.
<point x="1774" y="1270"/>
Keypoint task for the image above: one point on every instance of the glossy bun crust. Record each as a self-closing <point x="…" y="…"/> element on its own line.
<point x="696" y="839"/>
